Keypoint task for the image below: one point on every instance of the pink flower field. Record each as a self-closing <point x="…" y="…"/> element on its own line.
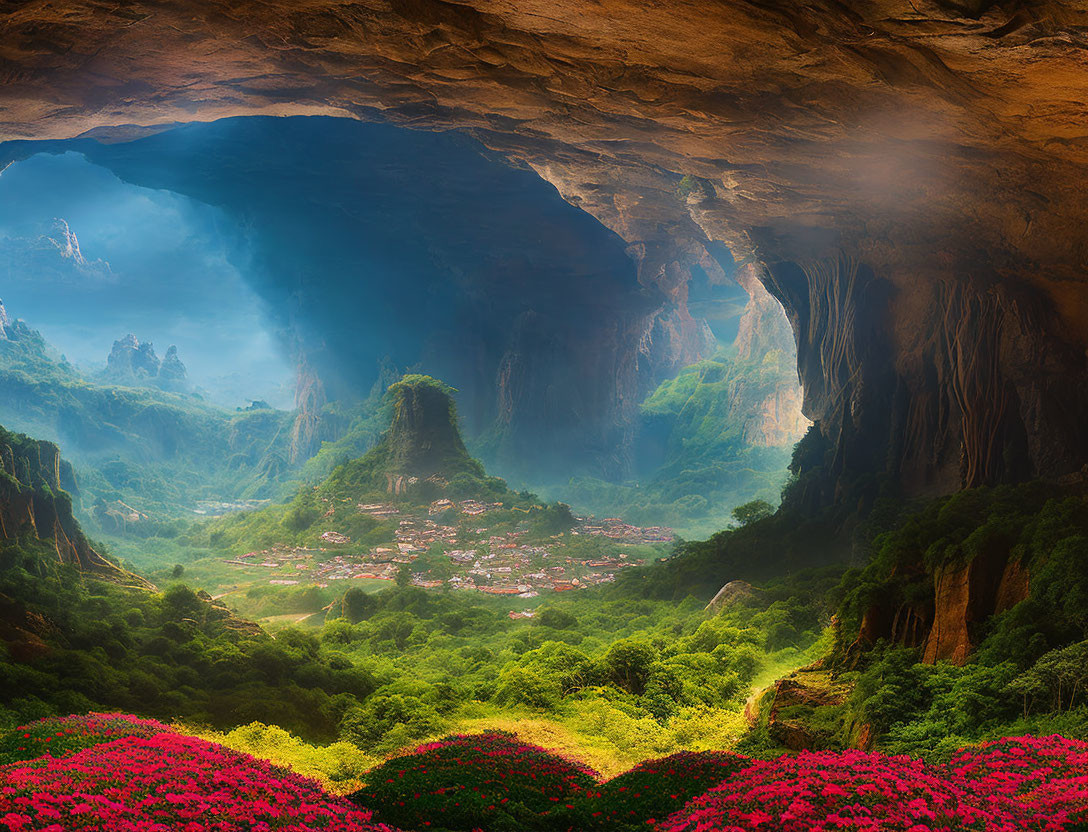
<point x="57" y="736"/>
<point x="1050" y="773"/>
<point x="114" y="773"/>
<point x="856" y="791"/>
<point x="164" y="783"/>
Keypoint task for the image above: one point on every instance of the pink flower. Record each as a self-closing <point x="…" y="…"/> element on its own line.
<point x="161" y="783"/>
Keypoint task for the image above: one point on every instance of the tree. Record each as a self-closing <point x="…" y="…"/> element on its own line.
<point x="359" y="605"/>
<point x="628" y="664"/>
<point x="519" y="686"/>
<point x="752" y="512"/>
<point x="556" y="618"/>
<point x="177" y="571"/>
<point x="182" y="602"/>
<point x="1060" y="676"/>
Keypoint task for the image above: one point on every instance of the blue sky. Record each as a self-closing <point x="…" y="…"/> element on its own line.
<point x="156" y="264"/>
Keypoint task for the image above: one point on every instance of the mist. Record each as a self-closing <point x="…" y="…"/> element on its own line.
<point x="87" y="258"/>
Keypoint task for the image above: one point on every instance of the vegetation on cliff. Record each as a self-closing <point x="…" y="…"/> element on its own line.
<point x="419" y="458"/>
<point x="138" y="450"/>
<point x="69" y="644"/>
<point x="703" y="447"/>
<point x="967" y="622"/>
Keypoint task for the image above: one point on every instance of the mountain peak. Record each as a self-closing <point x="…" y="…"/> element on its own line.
<point x="134" y="362"/>
<point x="421" y="454"/>
<point x="423" y="439"/>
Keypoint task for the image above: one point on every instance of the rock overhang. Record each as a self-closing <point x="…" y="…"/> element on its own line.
<point x="939" y="146"/>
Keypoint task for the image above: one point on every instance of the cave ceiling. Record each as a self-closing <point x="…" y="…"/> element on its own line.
<point x="916" y="145"/>
<point x="852" y="119"/>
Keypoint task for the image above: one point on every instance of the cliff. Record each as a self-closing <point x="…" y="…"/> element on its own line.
<point x="423" y="439"/>
<point x="421" y="451"/>
<point x="940" y="574"/>
<point x="134" y="363"/>
<point x="33" y="504"/>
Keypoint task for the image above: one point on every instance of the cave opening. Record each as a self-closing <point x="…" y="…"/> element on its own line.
<point x="306" y="262"/>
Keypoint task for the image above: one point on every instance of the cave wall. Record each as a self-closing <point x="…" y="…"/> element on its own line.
<point x="965" y="388"/>
<point x="919" y="166"/>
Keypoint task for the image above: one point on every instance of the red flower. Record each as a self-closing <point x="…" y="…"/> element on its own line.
<point x="168" y="782"/>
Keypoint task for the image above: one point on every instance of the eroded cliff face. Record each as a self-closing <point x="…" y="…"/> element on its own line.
<point x="33" y="503"/>
<point x="911" y="174"/>
<point x="962" y="600"/>
<point x="965" y="389"/>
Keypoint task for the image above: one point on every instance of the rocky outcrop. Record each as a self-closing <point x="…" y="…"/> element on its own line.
<point x="787" y="709"/>
<point x="729" y="594"/>
<point x="33" y="505"/>
<point x="423" y="439"/>
<point x="309" y="428"/>
<point x="134" y="363"/>
<point x="4" y="322"/>
<point x="219" y="612"/>
<point x="965" y="598"/>
<point x="947" y="625"/>
<point x="172" y="373"/>
<point x="771" y="412"/>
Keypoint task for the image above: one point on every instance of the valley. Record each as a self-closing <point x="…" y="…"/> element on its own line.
<point x="478" y="416"/>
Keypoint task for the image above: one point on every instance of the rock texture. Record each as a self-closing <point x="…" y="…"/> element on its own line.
<point x="965" y="598"/>
<point x="789" y="706"/>
<point x="132" y="362"/>
<point x="948" y="624"/>
<point x="775" y="419"/>
<point x="423" y="439"/>
<point x="910" y="172"/>
<point x="33" y="504"/>
<point x="729" y="594"/>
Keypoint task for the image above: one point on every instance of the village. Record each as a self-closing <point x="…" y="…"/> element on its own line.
<point x="431" y="552"/>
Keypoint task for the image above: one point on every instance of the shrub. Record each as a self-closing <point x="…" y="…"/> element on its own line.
<point x="487" y="781"/>
<point x="655" y="789"/>
<point x="340" y="767"/>
<point x="852" y="790"/>
<point x="58" y="736"/>
<point x="168" y="781"/>
<point x="1049" y="773"/>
